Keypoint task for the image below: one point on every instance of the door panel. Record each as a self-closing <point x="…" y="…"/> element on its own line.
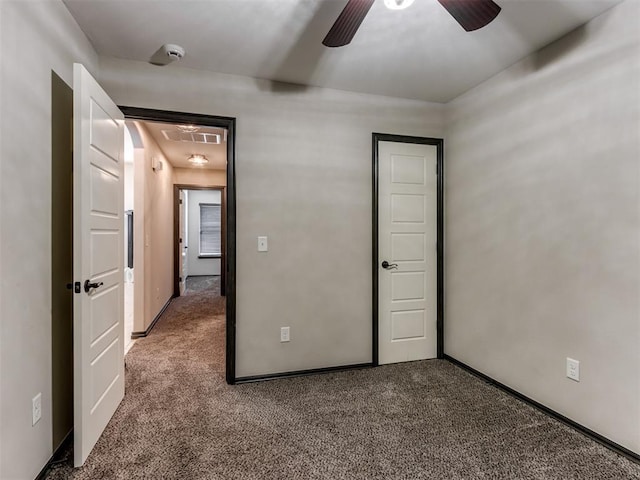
<point x="407" y="234"/>
<point x="407" y="286"/>
<point x="98" y="258"/>
<point x="106" y="242"/>
<point x="407" y="247"/>
<point x="407" y="208"/>
<point x="408" y="169"/>
<point x="408" y="324"/>
<point x="105" y="195"/>
<point x="104" y="312"/>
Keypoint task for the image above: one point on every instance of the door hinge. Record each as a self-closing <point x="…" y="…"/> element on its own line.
<point x="180" y="201"/>
<point x="180" y="241"/>
<point x="179" y="279"/>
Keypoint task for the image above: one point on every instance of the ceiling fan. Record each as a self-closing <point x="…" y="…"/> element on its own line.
<point x="470" y="14"/>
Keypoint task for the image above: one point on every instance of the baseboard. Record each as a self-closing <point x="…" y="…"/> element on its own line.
<point x="301" y="373"/>
<point x="611" y="445"/>
<point x="56" y="455"/>
<point x="146" y="332"/>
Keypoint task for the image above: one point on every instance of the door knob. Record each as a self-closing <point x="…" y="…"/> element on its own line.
<point x="88" y="285"/>
<point x="389" y="266"/>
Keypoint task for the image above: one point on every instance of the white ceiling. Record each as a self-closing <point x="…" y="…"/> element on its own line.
<point x="177" y="153"/>
<point x="420" y="52"/>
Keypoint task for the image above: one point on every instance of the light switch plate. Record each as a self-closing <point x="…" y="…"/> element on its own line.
<point x="262" y="244"/>
<point x="36" y="408"/>
<point x="285" y="335"/>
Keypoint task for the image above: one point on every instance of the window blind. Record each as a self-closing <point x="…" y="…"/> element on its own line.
<point x="210" y="228"/>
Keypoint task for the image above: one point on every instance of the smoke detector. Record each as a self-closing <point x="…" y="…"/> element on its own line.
<point x="173" y="51"/>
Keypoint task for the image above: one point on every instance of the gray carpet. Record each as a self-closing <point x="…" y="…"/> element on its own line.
<point x="419" y="420"/>
<point x="199" y="283"/>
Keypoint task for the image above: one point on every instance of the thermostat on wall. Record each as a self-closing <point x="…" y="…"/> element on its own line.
<point x="156" y="164"/>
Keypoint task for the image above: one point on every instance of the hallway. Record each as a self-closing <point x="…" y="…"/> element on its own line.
<point x="171" y="370"/>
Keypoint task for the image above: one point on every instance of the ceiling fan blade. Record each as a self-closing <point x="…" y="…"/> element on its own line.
<point x="347" y="23"/>
<point x="472" y="14"/>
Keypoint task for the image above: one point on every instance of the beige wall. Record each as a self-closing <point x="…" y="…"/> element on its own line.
<point x="35" y="38"/>
<point x="303" y="164"/>
<point x="139" y="194"/>
<point x="199" y="177"/>
<point x="543" y="225"/>
<point x="157" y="233"/>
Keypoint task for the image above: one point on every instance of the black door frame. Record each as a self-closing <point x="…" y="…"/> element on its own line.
<point x="439" y="144"/>
<point x="229" y="123"/>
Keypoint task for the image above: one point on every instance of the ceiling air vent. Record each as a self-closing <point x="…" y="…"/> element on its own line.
<point x="193" y="137"/>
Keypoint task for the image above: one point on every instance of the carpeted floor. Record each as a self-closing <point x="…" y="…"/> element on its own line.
<point x="419" y="420"/>
<point x="201" y="282"/>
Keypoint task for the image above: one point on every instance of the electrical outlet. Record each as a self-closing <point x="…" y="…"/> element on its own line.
<point x="36" y="408"/>
<point x="284" y="334"/>
<point x="573" y="369"/>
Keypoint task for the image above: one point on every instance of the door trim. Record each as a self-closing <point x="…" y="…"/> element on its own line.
<point x="135" y="113"/>
<point x="439" y="144"/>
<point x="176" y="234"/>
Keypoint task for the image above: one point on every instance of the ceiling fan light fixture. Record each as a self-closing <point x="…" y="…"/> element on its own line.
<point x="187" y="128"/>
<point x="198" y="159"/>
<point x="398" y="4"/>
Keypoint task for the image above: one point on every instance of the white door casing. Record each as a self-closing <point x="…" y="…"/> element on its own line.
<point x="98" y="209"/>
<point x="407" y="237"/>
<point x="183" y="264"/>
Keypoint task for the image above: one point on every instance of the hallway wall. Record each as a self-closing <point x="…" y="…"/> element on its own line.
<point x="157" y="235"/>
<point x="129" y="204"/>
<point x="200" y="177"/>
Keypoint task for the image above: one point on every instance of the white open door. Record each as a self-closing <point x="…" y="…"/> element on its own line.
<point x="98" y="259"/>
<point x="184" y="258"/>
<point x="407" y="263"/>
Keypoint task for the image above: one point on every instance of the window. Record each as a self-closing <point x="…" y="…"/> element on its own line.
<point x="210" y="238"/>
